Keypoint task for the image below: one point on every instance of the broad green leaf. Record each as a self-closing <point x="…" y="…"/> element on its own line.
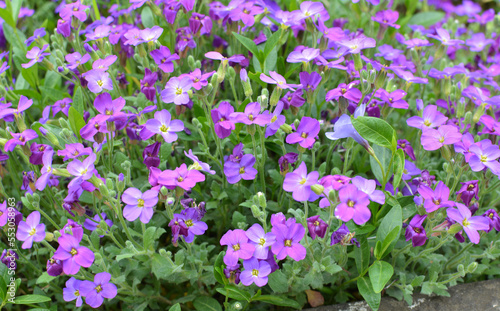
<point x="44" y="278"/>
<point x="78" y="100"/>
<point x="426" y="19"/>
<point x="53" y="94"/>
<point x="75" y="121"/>
<point x="7" y="17"/>
<point x="380" y="273"/>
<point x="384" y="155"/>
<point x="204" y="303"/>
<point x="234" y="292"/>
<point x="375" y="130"/>
<point x="278" y="301"/>
<point x="149" y="238"/>
<point x="163" y="267"/>
<point x="366" y="290"/>
<point x="278" y="282"/>
<point x="176" y="307"/>
<point x="393" y="219"/>
<point x="387" y="245"/>
<point x="147" y="17"/>
<point x="399" y="166"/>
<point x="248" y="43"/>
<point x="272" y="42"/>
<point x="362" y="255"/>
<point x="30" y="299"/>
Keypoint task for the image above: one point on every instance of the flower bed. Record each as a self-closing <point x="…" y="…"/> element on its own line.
<point x="246" y="155"/>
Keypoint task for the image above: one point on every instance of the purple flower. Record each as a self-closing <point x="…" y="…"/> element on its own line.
<point x="302" y="56"/>
<point x="277" y="120"/>
<point x="75" y="9"/>
<point x="312" y="9"/>
<point x="394" y="99"/>
<point x="46" y="171"/>
<point x="20" y="139"/>
<point x="388" y="52"/>
<point x="343" y="236"/>
<point x="277" y="79"/>
<point x="261" y="240"/>
<point x="98" y="80"/>
<point x="469" y="190"/>
<point x="151" y="34"/>
<point x="299" y="183"/>
<point x="72" y="254"/>
<point x="316" y="226"/>
<point x="353" y="205"/>
<point x="150" y="155"/>
<point x="95" y="292"/>
<point x="445" y="135"/>
<point x="164" y="59"/>
<point x="191" y="219"/>
<point x="237" y="246"/>
<point x="199" y="165"/>
<point x="484" y="157"/>
<point x="199" y="79"/>
<point x="103" y="64"/>
<point x="176" y="91"/>
<point x="30" y="230"/>
<point x="76" y="59"/>
<point x="163" y="125"/>
<point x="245" y="11"/>
<point x="410" y="170"/>
<point x="37" y="34"/>
<point x="309" y="81"/>
<point x="289" y="158"/>
<point x="180" y="177"/>
<point x="256" y="271"/>
<point x="83" y="170"/>
<point x="235" y="171"/>
<point x="493" y="219"/>
<point x="306" y="133"/>
<point x="288" y="241"/>
<point x="368" y="187"/>
<point x="436" y="199"/>
<point x="471" y="224"/>
<point x="431" y="118"/>
<point x="139" y="204"/>
<point x="251" y="115"/>
<point x="444" y="36"/>
<point x="407" y="148"/>
<point x="54" y="268"/>
<point x="225" y="60"/>
<point x="110" y="110"/>
<point x="178" y="227"/>
<point x="62" y="105"/>
<point x="222" y="118"/>
<point x="64" y="28"/>
<point x="148" y="84"/>
<point x="415" y="231"/>
<point x="387" y="18"/>
<point x="343" y="128"/>
<point x="478" y="42"/>
<point x="354" y="46"/>
<point x="36" y="55"/>
<point x="72" y="291"/>
<point x="72" y="151"/>
<point x="346" y="91"/>
<point x="37" y="152"/>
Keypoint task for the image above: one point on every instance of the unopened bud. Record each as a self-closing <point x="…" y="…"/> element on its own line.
<point x="191" y="62"/>
<point x="49" y="237"/>
<point x="468" y="117"/>
<point x="318" y="189"/>
<point x="286" y="128"/>
<point x="455" y="228"/>
<point x="478" y="114"/>
<point x="262" y="199"/>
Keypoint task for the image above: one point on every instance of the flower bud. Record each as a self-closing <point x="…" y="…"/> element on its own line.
<point x="358" y="63"/>
<point x="214" y="79"/>
<point x="318" y="189"/>
<point x="197" y="123"/>
<point x="332" y="195"/>
<point x="57" y="234"/>
<point x="460" y="108"/>
<point x="104" y="190"/>
<point x="256" y="212"/>
<point x="455" y="228"/>
<point x="478" y="114"/>
<point x="472" y="267"/>
<point x="191" y="62"/>
<point x="468" y="117"/>
<point x="446" y="153"/>
<point x="164" y="190"/>
<point x="207" y="90"/>
<point x="461" y="269"/>
<point x="197" y="64"/>
<point x="262" y="199"/>
<point x="231" y="74"/>
<point x="286" y="128"/>
<point x="49" y="237"/>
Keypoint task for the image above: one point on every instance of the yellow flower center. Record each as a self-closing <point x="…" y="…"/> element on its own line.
<point x="164" y="128"/>
<point x="73" y="252"/>
<point x="77" y="293"/>
<point x="274" y="118"/>
<point x="255" y="272"/>
<point x="242" y="170"/>
<point x="483" y="159"/>
<point x="304" y="135"/>
<point x="350" y="203"/>
<point x="180" y="179"/>
<point x="441" y="139"/>
<point x="250" y="117"/>
<point x="465" y="222"/>
<point x="236" y="247"/>
<point x="178" y="91"/>
<point x="303" y="181"/>
<point x="140" y="203"/>
<point x="288" y="243"/>
<point x="99" y="82"/>
<point x="98" y="288"/>
<point x="316" y="223"/>
<point x="189" y="223"/>
<point x="33" y="231"/>
<point x="437" y="202"/>
<point x="262" y="241"/>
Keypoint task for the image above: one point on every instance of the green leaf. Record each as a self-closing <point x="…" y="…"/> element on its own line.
<point x="147" y="17"/>
<point x="95" y="239"/>
<point x="366" y="290"/>
<point x="52" y="93"/>
<point x="255" y="76"/>
<point x="278" y="301"/>
<point x="204" y="303"/>
<point x="362" y="255"/>
<point x="393" y="219"/>
<point x="380" y="273"/>
<point x="271" y="43"/>
<point x="384" y="155"/>
<point x="163" y="267"/>
<point x="278" y="282"/>
<point x="7" y="17"/>
<point x="176" y="307"/>
<point x="333" y="268"/>
<point x="426" y="19"/>
<point x="149" y="238"/>
<point x="375" y="130"/>
<point x="387" y="245"/>
<point x="78" y="100"/>
<point x="30" y="299"/>
<point x="234" y="292"/>
<point x="44" y="278"/>
<point x="248" y="43"/>
<point x="75" y="121"/>
<point x="399" y="166"/>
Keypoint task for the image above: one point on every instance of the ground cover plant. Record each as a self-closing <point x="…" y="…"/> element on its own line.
<point x="246" y="155"/>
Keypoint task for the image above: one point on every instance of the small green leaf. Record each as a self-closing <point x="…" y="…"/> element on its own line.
<point x="75" y="121"/>
<point x="380" y="273"/>
<point x="278" y="282"/>
<point x="392" y="220"/>
<point x="399" y="166"/>
<point x="271" y="43"/>
<point x="147" y="17"/>
<point x="44" y="278"/>
<point x="389" y="241"/>
<point x="204" y="303"/>
<point x="426" y="19"/>
<point x="78" y="100"/>
<point x="366" y="290"/>
<point x="234" y="292"/>
<point x="149" y="238"/>
<point x="176" y="307"/>
<point x="278" y="301"/>
<point x="248" y="43"/>
<point x="375" y="130"/>
<point x="30" y="299"/>
<point x="362" y="255"/>
<point x="7" y="17"/>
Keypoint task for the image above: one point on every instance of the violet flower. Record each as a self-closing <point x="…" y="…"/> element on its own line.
<point x="244" y="169"/>
<point x="139" y="205"/>
<point x="299" y="182"/>
<point x="20" y="139"/>
<point x="478" y="42"/>
<point x="444" y="36"/>
<point x="415" y="231"/>
<point x="393" y="99"/>
<point x="346" y="91"/>
<point x="237" y="246"/>
<point x="387" y="18"/>
<point x="485" y="157"/>
<point x="76" y="59"/>
<point x="148" y="84"/>
<point x="251" y="115"/>
<point x="109" y="110"/>
<point x="354" y="46"/>
<point x="72" y="254"/>
<point x="343" y="128"/>
<point x="164" y="59"/>
<point x="76" y="9"/>
<point x="23" y="104"/>
<point x="302" y="56"/>
<point x="407" y="148"/>
<point x="37" y="34"/>
<point x="256" y="272"/>
<point x="176" y="91"/>
<point x="468" y="191"/>
<point x="437" y="198"/>
<point x="30" y="230"/>
<point x="309" y="81"/>
<point x="191" y="219"/>
<point x="62" y="105"/>
<point x="316" y="226"/>
<point x="223" y="120"/>
<point x="343" y="236"/>
<point x="46" y="171"/>
<point x="72" y="291"/>
<point x="471" y="224"/>
<point x="35" y="55"/>
<point x="288" y="241"/>
<point x="306" y="133"/>
<point x="198" y="165"/>
<point x="353" y="205"/>
<point x="445" y="135"/>
<point x="98" y="80"/>
<point x="181" y="177"/>
<point x="163" y="125"/>
<point x="95" y="292"/>
<point x="150" y="155"/>
<point x="277" y="79"/>
<point x="493" y="219"/>
<point x="431" y="118"/>
<point x="72" y="151"/>
<point x="82" y="170"/>
<point x="368" y="187"/>
<point x="261" y="240"/>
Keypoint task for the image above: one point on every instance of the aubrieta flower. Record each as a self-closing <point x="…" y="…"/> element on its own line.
<point x="261" y="240"/>
<point x="72" y="254"/>
<point x="368" y="187"/>
<point x="72" y="291"/>
<point x="54" y="268"/>
<point x="199" y="165"/>
<point x="484" y="157"/>
<point x="343" y="236"/>
<point x="82" y="169"/>
<point x="288" y="239"/>
<point x="76" y="59"/>
<point x="251" y="115"/>
<point x="94" y="224"/>
<point x="72" y="151"/>
<point x="62" y="105"/>
<point x="306" y="133"/>
<point x="387" y="18"/>
<point x="30" y="230"/>
<point x="199" y="79"/>
<point x="303" y="55"/>
<point x="98" y="80"/>
<point x="46" y="171"/>
<point x="148" y="84"/>
<point x="224" y="60"/>
<point x="37" y="152"/>
<point x="354" y="46"/>
<point x="236" y="155"/>
<point x="35" y="55"/>
<point x="192" y="220"/>
<point x="445" y="135"/>
<point x="256" y="272"/>
<point x="3" y="213"/>
<point x="468" y="191"/>
<point x="437" y="198"/>
<point x="343" y="128"/>
<point x="478" y="42"/>
<point x="277" y="79"/>
<point x="109" y="109"/>
<point x="163" y="125"/>
<point x="164" y="59"/>
<point x="299" y="182"/>
<point x="277" y="119"/>
<point x="139" y="205"/>
<point x="235" y="171"/>
<point x="222" y="118"/>
<point x="285" y="160"/>
<point x="176" y="91"/>
<point x="37" y="34"/>
<point x="95" y="292"/>
<point x="444" y="36"/>
<point x="20" y="139"/>
<point x="410" y="170"/>
<point x="76" y="9"/>
<point x="415" y="231"/>
<point x="407" y="148"/>
<point x="316" y="226"/>
<point x="493" y="219"/>
<point x="150" y="155"/>
<point x="309" y="81"/>
<point x="431" y="118"/>
<point x="181" y="177"/>
<point x="237" y="246"/>
<point x="471" y="224"/>
<point x="393" y="99"/>
<point x="347" y="91"/>
<point x="353" y="205"/>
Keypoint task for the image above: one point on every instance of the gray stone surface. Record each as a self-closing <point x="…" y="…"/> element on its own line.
<point x="479" y="296"/>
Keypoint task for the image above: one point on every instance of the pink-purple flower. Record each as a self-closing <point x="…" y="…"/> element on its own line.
<point x="353" y="205"/>
<point x="30" y="230"/>
<point x="237" y="246"/>
<point x="139" y="205"/>
<point x="72" y="254"/>
<point x="471" y="224"/>
<point x="299" y="182"/>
